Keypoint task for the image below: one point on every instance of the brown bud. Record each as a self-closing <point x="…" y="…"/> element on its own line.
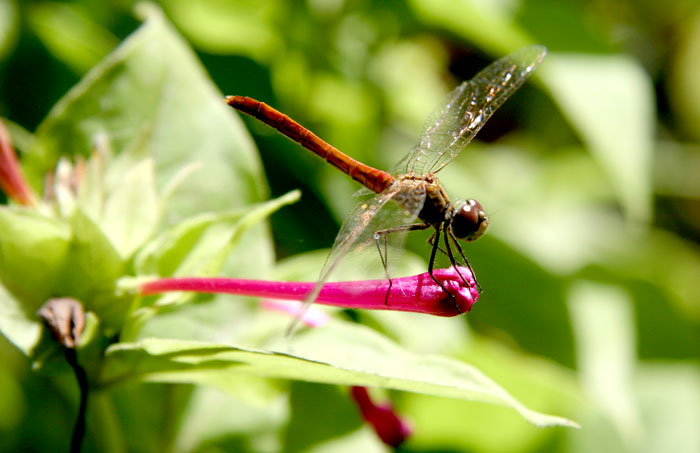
<point x="66" y="319"/>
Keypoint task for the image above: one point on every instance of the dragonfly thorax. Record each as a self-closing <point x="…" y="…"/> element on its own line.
<point x="425" y="190"/>
<point x="467" y="220"/>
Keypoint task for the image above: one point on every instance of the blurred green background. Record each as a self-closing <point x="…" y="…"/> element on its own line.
<point x="591" y="175"/>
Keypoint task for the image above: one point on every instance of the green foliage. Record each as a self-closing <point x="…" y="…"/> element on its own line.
<point x="590" y="307"/>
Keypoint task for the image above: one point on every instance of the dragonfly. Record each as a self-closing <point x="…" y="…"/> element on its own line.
<point x="411" y="191"/>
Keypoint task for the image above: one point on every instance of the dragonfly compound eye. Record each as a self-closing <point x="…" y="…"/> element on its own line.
<point x="470" y="222"/>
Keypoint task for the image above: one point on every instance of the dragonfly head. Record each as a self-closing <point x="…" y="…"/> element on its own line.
<point x="469" y="221"/>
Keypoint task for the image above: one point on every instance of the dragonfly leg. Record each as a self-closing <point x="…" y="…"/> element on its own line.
<point x="449" y="233"/>
<point x="435" y="241"/>
<point x="453" y="260"/>
<point x="383" y="236"/>
<point x="430" y="241"/>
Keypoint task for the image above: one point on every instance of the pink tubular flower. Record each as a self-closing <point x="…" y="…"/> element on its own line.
<point x="390" y="428"/>
<point x="417" y="293"/>
<point x="12" y="181"/>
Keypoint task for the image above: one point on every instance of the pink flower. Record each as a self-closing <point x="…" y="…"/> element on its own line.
<point x="12" y="181"/>
<point x="417" y="293"/>
<point x="390" y="428"/>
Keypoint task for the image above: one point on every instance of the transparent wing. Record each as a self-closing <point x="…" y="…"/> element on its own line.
<point x="396" y="206"/>
<point x="455" y="122"/>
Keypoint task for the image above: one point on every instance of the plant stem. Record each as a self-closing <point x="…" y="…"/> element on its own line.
<point x="83" y="385"/>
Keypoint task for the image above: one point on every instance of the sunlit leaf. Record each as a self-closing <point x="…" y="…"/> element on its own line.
<point x="135" y="97"/>
<point x="346" y="355"/>
<point x="603" y="324"/>
<point x="609" y="101"/>
<point x="17" y="324"/>
<point x="132" y="212"/>
<point x="199" y="245"/>
<point x="669" y="398"/>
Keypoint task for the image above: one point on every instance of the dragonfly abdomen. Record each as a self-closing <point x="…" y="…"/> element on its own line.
<point x="372" y="178"/>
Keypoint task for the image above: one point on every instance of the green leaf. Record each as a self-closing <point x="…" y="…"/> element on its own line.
<point x="212" y="416"/>
<point x="230" y="27"/>
<point x="22" y="139"/>
<point x="338" y="354"/>
<point x="669" y="397"/>
<point x="610" y="102"/>
<point x="682" y="86"/>
<point x="8" y="26"/>
<point x="540" y="383"/>
<point x="336" y="417"/>
<point x="17" y="324"/>
<point x="135" y="98"/>
<point x="488" y="24"/>
<point x="132" y="212"/>
<point x="200" y="245"/>
<point x="92" y="268"/>
<point x="12" y="402"/>
<point x="603" y="322"/>
<point x="70" y="34"/>
<point x="33" y="249"/>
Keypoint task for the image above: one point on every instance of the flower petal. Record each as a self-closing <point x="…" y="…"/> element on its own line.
<point x="390" y="428"/>
<point x="418" y="293"/>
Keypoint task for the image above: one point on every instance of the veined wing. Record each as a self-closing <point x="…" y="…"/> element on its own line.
<point x="395" y="206"/>
<point x="455" y="122"/>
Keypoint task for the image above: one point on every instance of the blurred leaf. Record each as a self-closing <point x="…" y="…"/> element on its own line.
<point x="132" y="213"/>
<point x="8" y="26"/>
<point x="291" y="77"/>
<point x="22" y="139"/>
<point x="546" y="207"/>
<point x="683" y="84"/>
<point x="18" y="325"/>
<point x="538" y="382"/>
<point x="216" y="418"/>
<point x="135" y="98"/>
<point x="327" y="355"/>
<point x="70" y="33"/>
<point x="610" y="101"/>
<point x="11" y="400"/>
<point x="415" y="67"/>
<point x="676" y="170"/>
<point x="669" y="397"/>
<point x="546" y="19"/>
<point x="603" y="323"/>
<point x="92" y="268"/>
<point x="661" y="259"/>
<point x="337" y="416"/>
<point x="33" y="249"/>
<point x="488" y="25"/>
<point x="225" y="27"/>
<point x="520" y="298"/>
